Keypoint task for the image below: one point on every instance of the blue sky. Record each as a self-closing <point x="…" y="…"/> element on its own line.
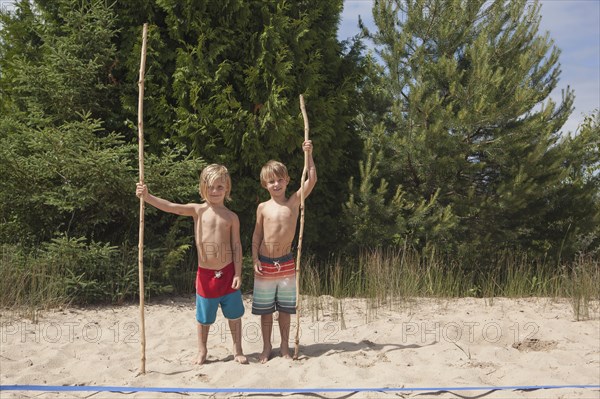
<point x="574" y="25"/>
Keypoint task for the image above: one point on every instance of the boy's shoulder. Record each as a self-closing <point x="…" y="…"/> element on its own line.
<point x="228" y="212"/>
<point x="199" y="207"/>
<point x="263" y="204"/>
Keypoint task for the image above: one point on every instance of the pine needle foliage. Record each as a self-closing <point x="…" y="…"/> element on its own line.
<point x="467" y="126"/>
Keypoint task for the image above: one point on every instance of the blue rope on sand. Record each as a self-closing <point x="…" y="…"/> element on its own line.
<point x="99" y="388"/>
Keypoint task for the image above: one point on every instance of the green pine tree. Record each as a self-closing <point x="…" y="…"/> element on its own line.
<point x="470" y="123"/>
<point x="223" y="79"/>
<point x="64" y="171"/>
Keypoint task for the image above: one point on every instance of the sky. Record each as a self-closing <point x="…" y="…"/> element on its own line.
<point x="574" y="25"/>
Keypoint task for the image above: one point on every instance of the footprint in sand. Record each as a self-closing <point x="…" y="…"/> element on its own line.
<point x="534" y="345"/>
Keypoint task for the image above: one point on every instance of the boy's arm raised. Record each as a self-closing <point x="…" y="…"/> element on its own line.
<point x="311" y="178"/>
<point x="164" y="205"/>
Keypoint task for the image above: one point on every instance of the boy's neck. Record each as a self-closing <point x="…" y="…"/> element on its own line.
<point x="216" y="205"/>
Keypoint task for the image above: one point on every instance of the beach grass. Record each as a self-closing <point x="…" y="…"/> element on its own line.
<point x="33" y="281"/>
<point x="388" y="277"/>
<point x="581" y="279"/>
<point x="28" y="283"/>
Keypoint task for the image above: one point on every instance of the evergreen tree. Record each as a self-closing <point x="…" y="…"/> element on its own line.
<point x="223" y="79"/>
<point x="65" y="64"/>
<point x="470" y="123"/>
<point x="67" y="187"/>
<point x="18" y="37"/>
<point x="64" y="172"/>
<point x="578" y="200"/>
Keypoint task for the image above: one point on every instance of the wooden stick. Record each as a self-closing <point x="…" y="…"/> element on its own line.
<point x="301" y="233"/>
<point x="141" y="169"/>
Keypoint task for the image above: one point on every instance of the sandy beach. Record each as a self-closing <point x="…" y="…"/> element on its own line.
<point x="411" y="343"/>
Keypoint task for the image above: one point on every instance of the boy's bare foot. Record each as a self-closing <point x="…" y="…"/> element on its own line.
<point x="265" y="355"/>
<point x="201" y="358"/>
<point x="285" y="352"/>
<point x="241" y="359"/>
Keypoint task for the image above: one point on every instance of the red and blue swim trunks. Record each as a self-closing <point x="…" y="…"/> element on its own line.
<point x="275" y="289"/>
<point x="213" y="288"/>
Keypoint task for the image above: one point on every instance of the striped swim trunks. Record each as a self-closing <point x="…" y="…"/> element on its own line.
<point x="275" y="289"/>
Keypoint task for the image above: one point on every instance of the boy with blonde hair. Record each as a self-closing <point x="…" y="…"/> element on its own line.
<point x="217" y="237"/>
<point x="274" y="266"/>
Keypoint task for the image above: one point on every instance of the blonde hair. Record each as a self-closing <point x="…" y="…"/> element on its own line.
<point x="273" y="169"/>
<point x="209" y="175"/>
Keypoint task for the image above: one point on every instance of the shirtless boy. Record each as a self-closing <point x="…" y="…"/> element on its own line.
<point x="274" y="266"/>
<point x="217" y="236"/>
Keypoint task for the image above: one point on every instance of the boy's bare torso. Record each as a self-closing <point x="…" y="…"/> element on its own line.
<point x="213" y="236"/>
<point x="279" y="227"/>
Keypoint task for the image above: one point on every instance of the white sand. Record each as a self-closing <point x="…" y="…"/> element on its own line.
<point x="418" y="343"/>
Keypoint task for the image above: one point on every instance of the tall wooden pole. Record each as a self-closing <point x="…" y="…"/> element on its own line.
<point x="141" y="169"/>
<point x="301" y="233"/>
